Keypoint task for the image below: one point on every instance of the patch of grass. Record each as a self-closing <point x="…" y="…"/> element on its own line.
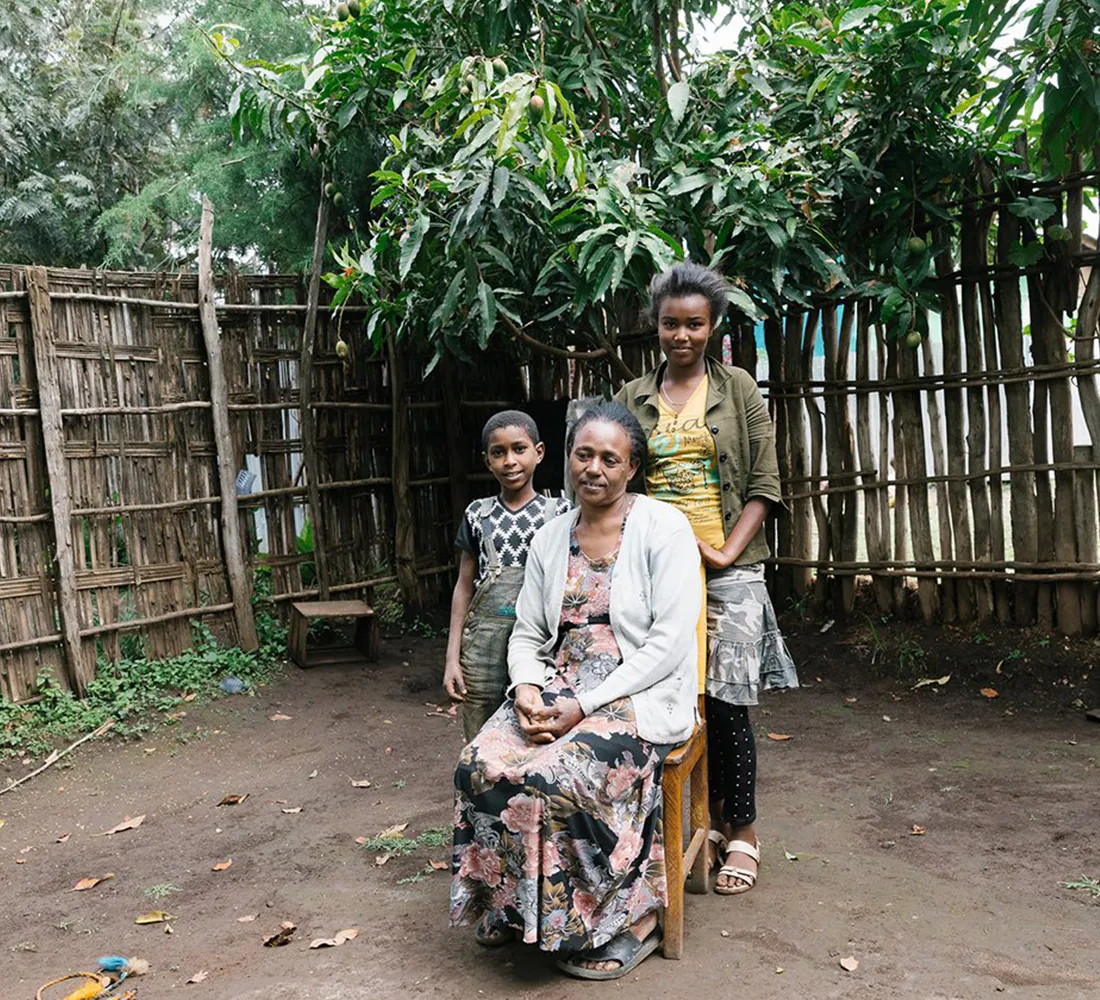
<point x="1085" y="884"/>
<point x="161" y="891"/>
<point x="430" y="839"/>
<point x="131" y="690"/>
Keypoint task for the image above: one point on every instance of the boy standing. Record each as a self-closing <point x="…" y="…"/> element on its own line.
<point x="493" y="541"/>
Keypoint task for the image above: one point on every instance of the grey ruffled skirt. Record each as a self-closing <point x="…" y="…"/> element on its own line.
<point x="747" y="653"/>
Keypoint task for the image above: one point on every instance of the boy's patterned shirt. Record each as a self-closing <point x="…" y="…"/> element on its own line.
<point x="512" y="531"/>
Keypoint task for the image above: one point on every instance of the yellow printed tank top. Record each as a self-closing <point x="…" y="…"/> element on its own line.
<point x="683" y="465"/>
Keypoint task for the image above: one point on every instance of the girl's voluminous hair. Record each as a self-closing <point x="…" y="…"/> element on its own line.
<point x="688" y="278"/>
<point x="612" y="412"/>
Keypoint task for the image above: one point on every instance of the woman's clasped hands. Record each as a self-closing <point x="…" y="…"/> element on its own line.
<point x="542" y="723"/>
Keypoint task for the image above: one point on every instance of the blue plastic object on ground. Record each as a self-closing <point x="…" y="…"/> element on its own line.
<point x="233" y="685"/>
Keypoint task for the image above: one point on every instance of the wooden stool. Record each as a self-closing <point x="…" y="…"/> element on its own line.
<point x="687" y="763"/>
<point x="364" y="643"/>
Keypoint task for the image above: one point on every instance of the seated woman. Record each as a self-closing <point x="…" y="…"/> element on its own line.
<point x="558" y="798"/>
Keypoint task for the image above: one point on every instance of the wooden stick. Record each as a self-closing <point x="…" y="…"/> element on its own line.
<point x="232" y="551"/>
<point x="79" y="674"/>
<point x="305" y="393"/>
<point x="57" y="755"/>
<point x="404" y="518"/>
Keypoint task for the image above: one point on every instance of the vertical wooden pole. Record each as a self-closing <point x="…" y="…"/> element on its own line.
<point x="78" y="674"/>
<point x="305" y="391"/>
<point x="878" y="545"/>
<point x="948" y="607"/>
<point x="958" y="498"/>
<point x="458" y="446"/>
<point x="777" y="400"/>
<point x="801" y="510"/>
<point x="223" y="439"/>
<point x="404" y="520"/>
<point x="1022" y="505"/>
<point x="974" y="236"/>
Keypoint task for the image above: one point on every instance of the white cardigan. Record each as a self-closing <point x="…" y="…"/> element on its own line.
<point x="656" y="595"/>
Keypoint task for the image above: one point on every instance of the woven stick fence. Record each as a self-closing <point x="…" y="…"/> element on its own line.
<point x="965" y="472"/>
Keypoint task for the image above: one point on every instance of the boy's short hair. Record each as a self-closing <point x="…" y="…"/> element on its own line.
<point x="509" y="418"/>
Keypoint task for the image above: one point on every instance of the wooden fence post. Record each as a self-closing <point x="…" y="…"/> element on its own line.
<point x="79" y="672"/>
<point x="223" y="439"/>
<point x="404" y="518"/>
<point x="305" y="391"/>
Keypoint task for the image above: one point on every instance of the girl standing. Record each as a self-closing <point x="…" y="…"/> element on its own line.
<point x="711" y="453"/>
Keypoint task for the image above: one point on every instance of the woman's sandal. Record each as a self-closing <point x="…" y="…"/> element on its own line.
<point x="489" y="934"/>
<point x="625" y="949"/>
<point x="747" y="876"/>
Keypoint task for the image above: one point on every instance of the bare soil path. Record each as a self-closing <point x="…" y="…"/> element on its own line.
<point x="970" y="909"/>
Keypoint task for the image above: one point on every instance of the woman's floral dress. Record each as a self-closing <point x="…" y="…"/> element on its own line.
<point x="563" y="841"/>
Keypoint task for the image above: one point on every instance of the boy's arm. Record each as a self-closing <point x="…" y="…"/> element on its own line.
<point x="463" y="594"/>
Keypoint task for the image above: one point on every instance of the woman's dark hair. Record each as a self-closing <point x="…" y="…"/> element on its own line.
<point x="688" y="278"/>
<point x="612" y="412"/>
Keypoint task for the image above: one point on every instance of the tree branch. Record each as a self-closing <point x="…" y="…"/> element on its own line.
<point x="605" y="351"/>
<point x="658" y="49"/>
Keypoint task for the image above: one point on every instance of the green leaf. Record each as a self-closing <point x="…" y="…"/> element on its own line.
<point x="410" y="243"/>
<point x="479" y="196"/>
<point x="501" y="176"/>
<point x="1033" y="207"/>
<point x="856" y="16"/>
<point x="965" y="105"/>
<point x="450" y="300"/>
<point x="741" y="301"/>
<point x="678" y="96"/>
<point x="688" y="183"/>
<point x="487" y="306"/>
<point x="410" y="58"/>
<point x="1026" y="254"/>
<point x="399" y="96"/>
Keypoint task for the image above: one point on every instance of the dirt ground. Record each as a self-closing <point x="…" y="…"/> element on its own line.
<point x="1009" y="794"/>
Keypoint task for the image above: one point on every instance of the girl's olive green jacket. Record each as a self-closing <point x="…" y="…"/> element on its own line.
<point x="744" y="439"/>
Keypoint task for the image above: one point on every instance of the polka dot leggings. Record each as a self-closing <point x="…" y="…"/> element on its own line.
<point x="731" y="762"/>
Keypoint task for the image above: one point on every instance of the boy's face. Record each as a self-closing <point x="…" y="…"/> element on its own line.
<point x="512" y="457"/>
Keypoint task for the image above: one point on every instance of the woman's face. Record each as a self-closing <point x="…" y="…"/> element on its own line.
<point x="683" y="329"/>
<point x="600" y="467"/>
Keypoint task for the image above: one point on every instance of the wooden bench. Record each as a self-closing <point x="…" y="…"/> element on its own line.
<point x="364" y="645"/>
<point x="687" y="764"/>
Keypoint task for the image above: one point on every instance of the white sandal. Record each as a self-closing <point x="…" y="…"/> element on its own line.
<point x="747" y="877"/>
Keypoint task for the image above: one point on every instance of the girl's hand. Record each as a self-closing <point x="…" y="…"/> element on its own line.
<point x="714" y="558"/>
<point x="453" y="682"/>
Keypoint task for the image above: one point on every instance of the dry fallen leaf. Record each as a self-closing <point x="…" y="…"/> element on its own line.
<point x="779" y="737"/>
<point x="247" y="918"/>
<point x="279" y="717"/>
<point x="360" y="841"/>
<point x="925" y="681"/>
<point x="198" y="977"/>
<point x="438" y="866"/>
<point x="393" y="832"/>
<point x="849" y="964"/>
<point x="359" y="784"/>
<point x="381" y="859"/>
<point x="154" y="917"/>
<point x="63" y="838"/>
<point x="126" y="824"/>
<point x="294" y="811"/>
<point x="335" y="942"/>
<point x="989" y="693"/>
<point x="388" y="750"/>
<point x="175" y="715"/>
<point x="90" y="883"/>
<point x="233" y="800"/>
<point x="281" y="936"/>
<point x="20" y="861"/>
<point x="221" y="866"/>
<point x="917" y="830"/>
<point x="887" y="718"/>
<point x="312" y="774"/>
<point x="190" y="697"/>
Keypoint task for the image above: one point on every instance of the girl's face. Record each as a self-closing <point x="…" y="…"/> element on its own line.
<point x="683" y="328"/>
<point x="600" y="467"/>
